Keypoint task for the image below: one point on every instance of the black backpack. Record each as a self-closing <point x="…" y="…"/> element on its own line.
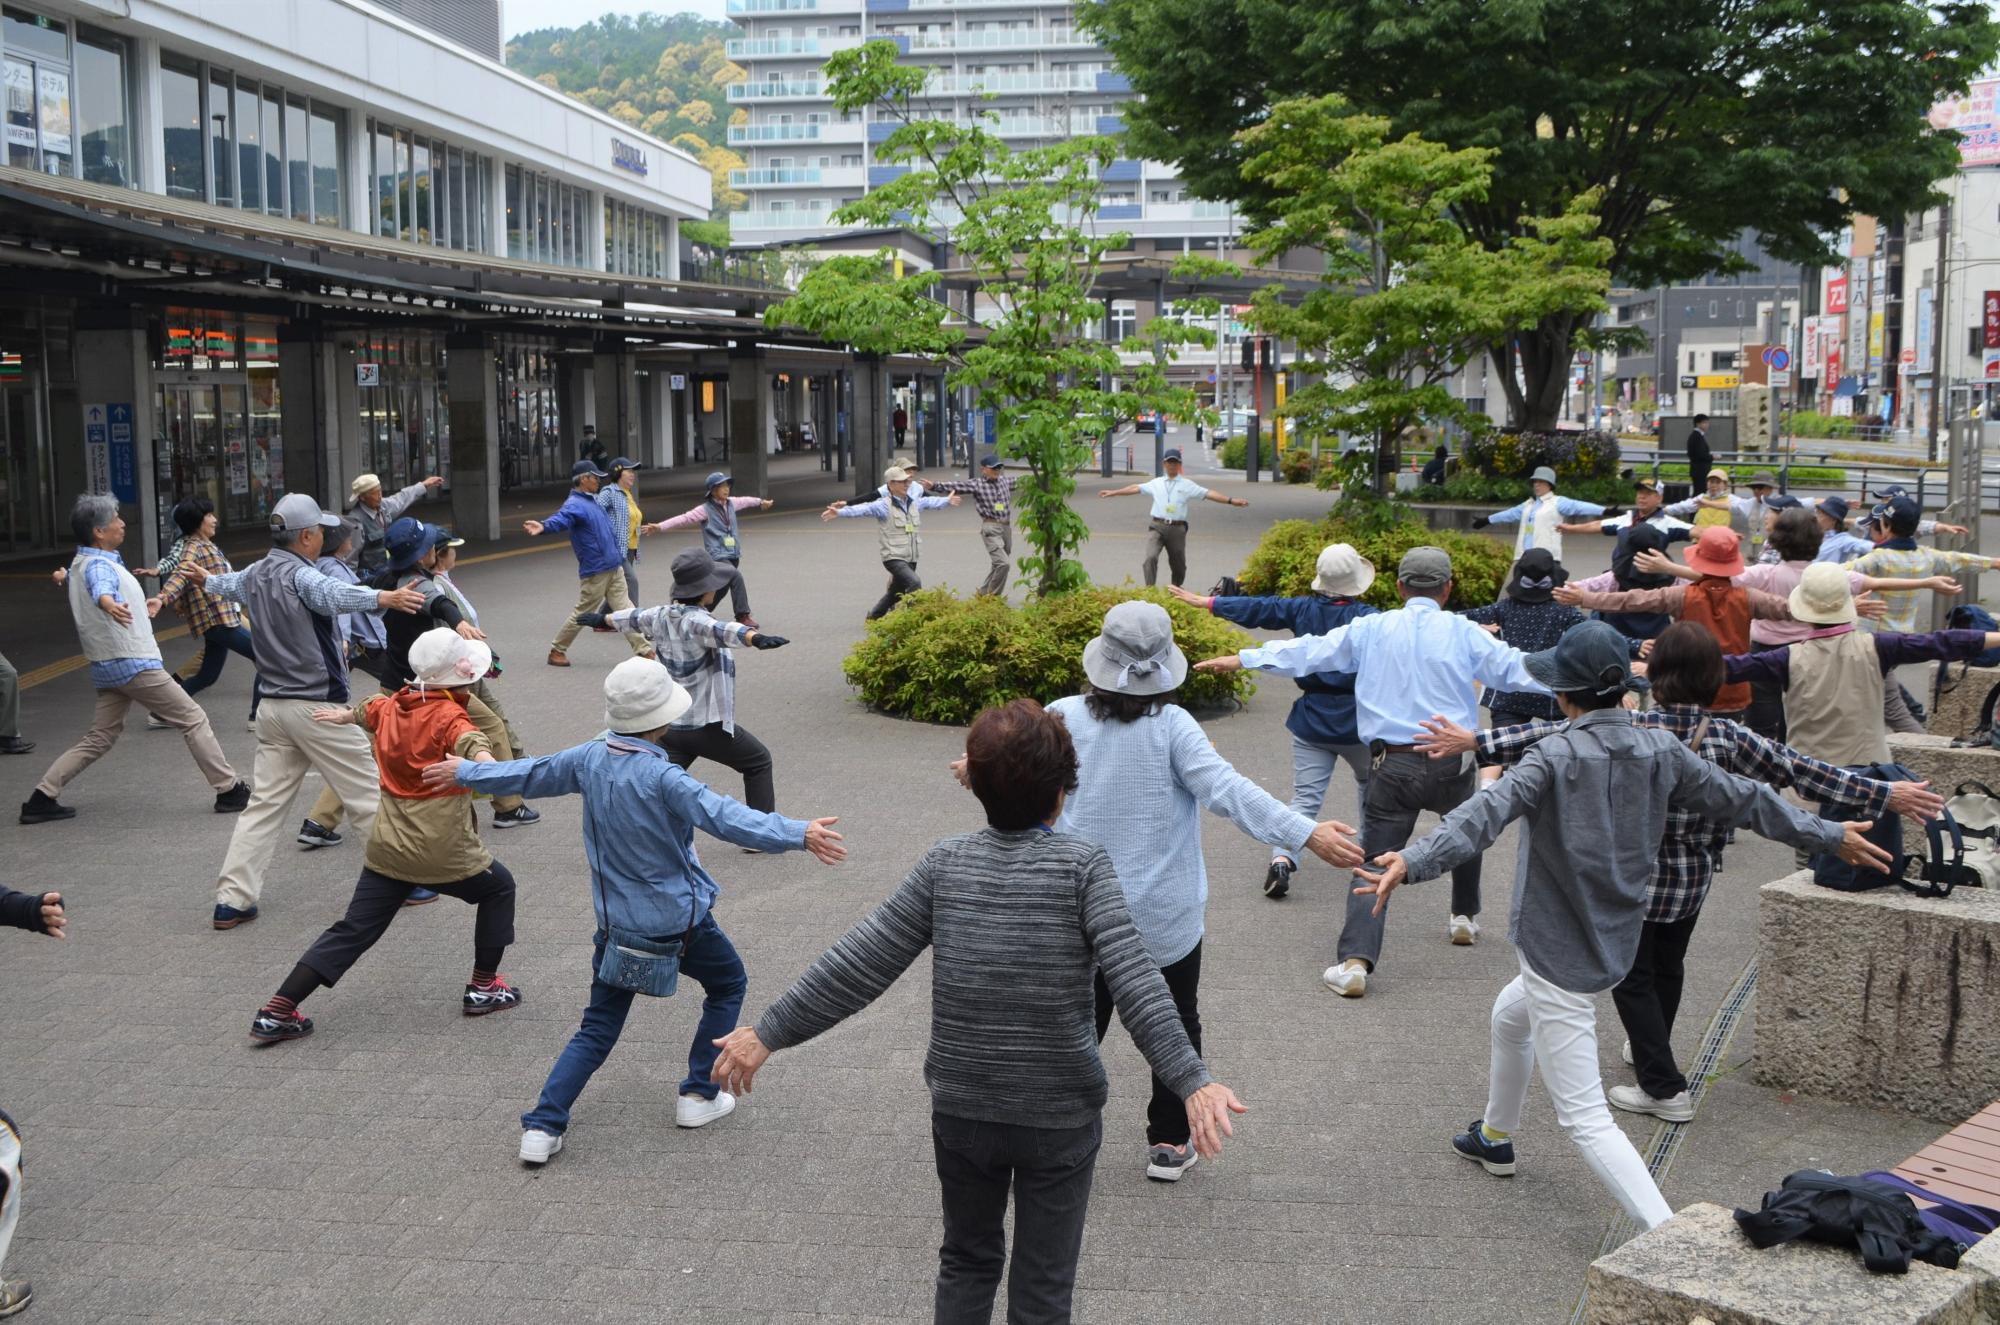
<point x="1876" y="1219"/>
<point x="1831" y="871"/>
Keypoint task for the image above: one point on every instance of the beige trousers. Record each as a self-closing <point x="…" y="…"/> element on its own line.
<point x="605" y="590"/>
<point x="327" y="811"/>
<point x="154" y="691"/>
<point x="288" y="743"/>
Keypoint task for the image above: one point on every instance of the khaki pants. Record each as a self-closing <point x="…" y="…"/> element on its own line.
<point x="327" y="811"/>
<point x="604" y="590"/>
<point x="288" y="743"/>
<point x="998" y="535"/>
<point x="154" y="691"/>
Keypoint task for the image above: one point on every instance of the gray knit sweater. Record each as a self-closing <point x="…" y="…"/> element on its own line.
<point x="1020" y="922"/>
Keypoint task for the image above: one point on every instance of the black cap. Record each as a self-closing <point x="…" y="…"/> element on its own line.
<point x="989" y="461"/>
<point x="626" y="462"/>
<point x="585" y="469"/>
<point x="1591" y="656"/>
<point x="1173" y="454"/>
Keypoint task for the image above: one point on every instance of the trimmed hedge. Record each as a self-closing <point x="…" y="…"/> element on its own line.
<point x="1575" y="456"/>
<point x="1284" y="561"/>
<point x="945" y="659"/>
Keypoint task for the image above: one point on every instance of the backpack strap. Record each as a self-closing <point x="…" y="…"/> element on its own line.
<point x="1700" y="730"/>
<point x="1938" y="876"/>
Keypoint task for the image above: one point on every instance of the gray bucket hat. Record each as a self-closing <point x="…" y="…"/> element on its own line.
<point x="1543" y="474"/>
<point x="695" y="573"/>
<point x="1135" y="653"/>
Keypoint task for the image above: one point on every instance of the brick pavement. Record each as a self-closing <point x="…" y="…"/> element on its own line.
<point x="367" y="1174"/>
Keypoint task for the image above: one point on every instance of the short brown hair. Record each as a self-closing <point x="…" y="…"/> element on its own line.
<point x="1796" y="535"/>
<point x="1685" y="665"/>
<point x="1019" y="759"/>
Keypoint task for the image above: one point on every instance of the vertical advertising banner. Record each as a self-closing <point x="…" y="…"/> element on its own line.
<point x="1836" y="294"/>
<point x="1991" y="305"/>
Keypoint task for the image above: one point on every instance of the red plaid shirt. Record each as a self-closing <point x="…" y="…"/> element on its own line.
<point x="202" y="610"/>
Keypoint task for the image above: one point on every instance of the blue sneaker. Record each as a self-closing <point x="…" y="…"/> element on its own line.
<point x="419" y="896"/>
<point x="1495" y="1157"/>
<point x="228" y="917"/>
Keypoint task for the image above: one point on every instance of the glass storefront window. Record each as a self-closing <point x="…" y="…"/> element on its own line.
<point x="298" y="165"/>
<point x="250" y="164"/>
<point x="180" y="116"/>
<point x="274" y="153"/>
<point x="635" y="240"/>
<point x="221" y="164"/>
<point x="406" y="207"/>
<point x="513" y="178"/>
<point x="40" y="128"/>
<point x="531" y="447"/>
<point x="103" y="117"/>
<point x="327" y="134"/>
<point x="421" y="196"/>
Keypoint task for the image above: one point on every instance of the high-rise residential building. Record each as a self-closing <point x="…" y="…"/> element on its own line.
<point x="1025" y="63"/>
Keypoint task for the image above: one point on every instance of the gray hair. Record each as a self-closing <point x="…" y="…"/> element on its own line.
<point x="93" y="511"/>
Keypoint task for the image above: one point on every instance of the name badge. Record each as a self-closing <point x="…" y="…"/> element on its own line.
<point x="908" y="528"/>
<point x="999" y="508"/>
<point x="728" y="540"/>
<point x="1173" y="509"/>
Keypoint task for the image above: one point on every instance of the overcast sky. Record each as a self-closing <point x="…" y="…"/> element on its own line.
<point x="519" y="16"/>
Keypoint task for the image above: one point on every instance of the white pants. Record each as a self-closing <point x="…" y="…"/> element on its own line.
<point x="1535" y="1022"/>
<point x="10" y="1186"/>
<point x="288" y="743"/>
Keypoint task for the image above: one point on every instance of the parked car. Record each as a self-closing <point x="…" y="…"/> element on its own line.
<point x="1235" y="423"/>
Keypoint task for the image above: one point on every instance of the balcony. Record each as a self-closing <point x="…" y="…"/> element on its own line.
<point x="775" y="133"/>
<point x="770" y="6"/>
<point x="757" y="179"/>
<point x="790" y="218"/>
<point x="805" y="89"/>
<point x="988" y="39"/>
<point x="774" y="48"/>
<point x="1016" y="84"/>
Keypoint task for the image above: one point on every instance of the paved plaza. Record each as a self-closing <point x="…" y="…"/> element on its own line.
<point x="367" y="1174"/>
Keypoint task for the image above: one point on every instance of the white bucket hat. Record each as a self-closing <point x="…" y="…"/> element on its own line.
<point x="1135" y="653"/>
<point x="364" y="483"/>
<point x="1343" y="572"/>
<point x="1822" y="596"/>
<point x="640" y="696"/>
<point x="443" y="658"/>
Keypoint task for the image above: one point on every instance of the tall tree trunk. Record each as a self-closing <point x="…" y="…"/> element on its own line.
<point x="1545" y="366"/>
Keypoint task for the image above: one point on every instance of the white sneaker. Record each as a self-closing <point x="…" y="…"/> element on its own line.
<point x="1626" y="1053"/>
<point x="537" y="1146"/>
<point x="1349" y="979"/>
<point x="694" y="1111"/>
<point x="155" y="723"/>
<point x="1464" y="931"/>
<point x="1634" y="1099"/>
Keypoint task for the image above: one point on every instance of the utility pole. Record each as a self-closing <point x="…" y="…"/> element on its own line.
<point x="1939" y="410"/>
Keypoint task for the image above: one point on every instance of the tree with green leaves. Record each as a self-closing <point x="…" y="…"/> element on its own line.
<point x="1408" y="294"/>
<point x="1697" y="120"/>
<point x="1023" y="224"/>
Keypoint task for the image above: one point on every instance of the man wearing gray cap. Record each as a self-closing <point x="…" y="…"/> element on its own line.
<point x="993" y="494"/>
<point x="302" y="666"/>
<point x="1409" y="665"/>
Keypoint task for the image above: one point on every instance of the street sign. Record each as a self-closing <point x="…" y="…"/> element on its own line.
<point x="1584" y="357"/>
<point x="1778" y="357"/>
<point x="1780" y="377"/>
<point x="368" y="374"/>
<point x="96" y="450"/>
<point x="1907" y="356"/>
<point x="124" y="456"/>
<point x="1718" y="381"/>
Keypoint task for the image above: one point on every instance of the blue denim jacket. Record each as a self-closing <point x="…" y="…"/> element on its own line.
<point x="639" y="817"/>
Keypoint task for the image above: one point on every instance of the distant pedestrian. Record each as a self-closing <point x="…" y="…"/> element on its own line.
<point x="721" y="535"/>
<point x="620" y="499"/>
<point x="1700" y="458"/>
<point x="1541" y="516"/>
<point x="899" y="422"/>
<point x="373" y="513"/>
<point x="899" y="516"/>
<point x="992" y="494"/>
<point x="600" y="557"/>
<point x="38" y="914"/>
<point x="1172" y="495"/>
<point x="114" y="625"/>
<point x="10" y="711"/>
<point x="217" y="623"/>
<point x="1433" y="472"/>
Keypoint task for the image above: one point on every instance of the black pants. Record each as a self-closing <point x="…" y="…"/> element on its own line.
<point x="902" y="580"/>
<point x="1648" y="999"/>
<point x="1766" y="715"/>
<point x="378" y="899"/>
<point x="742" y="752"/>
<point x="739" y="593"/>
<point x="1166" y="1114"/>
<point x="1403" y="785"/>
<point x="369" y="660"/>
<point x="1049" y="1170"/>
<point x="216" y="646"/>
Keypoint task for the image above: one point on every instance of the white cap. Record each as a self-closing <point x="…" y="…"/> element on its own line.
<point x="363" y="484"/>
<point x="895" y="474"/>
<point x="442" y="658"/>
<point x="1342" y="571"/>
<point x="640" y="696"/>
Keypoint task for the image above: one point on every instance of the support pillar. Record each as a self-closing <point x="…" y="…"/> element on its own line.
<point x="749" y="419"/>
<point x="869" y="424"/>
<point x="576" y="405"/>
<point x="615" y="388"/>
<point x="309" y="409"/>
<point x="114" y="393"/>
<point x="471" y="379"/>
<point x="1104" y="382"/>
<point x="934" y="424"/>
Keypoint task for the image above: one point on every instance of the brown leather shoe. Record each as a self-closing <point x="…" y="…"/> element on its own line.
<point x="557" y="658"/>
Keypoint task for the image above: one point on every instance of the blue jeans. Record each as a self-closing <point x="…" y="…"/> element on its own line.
<point x="1312" y="772"/>
<point x="216" y="646"/>
<point x="710" y="960"/>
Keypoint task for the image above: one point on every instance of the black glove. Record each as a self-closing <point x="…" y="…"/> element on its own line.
<point x="1610" y="511"/>
<point x="1480" y="522"/>
<point x="591" y="619"/>
<point x="764" y="641"/>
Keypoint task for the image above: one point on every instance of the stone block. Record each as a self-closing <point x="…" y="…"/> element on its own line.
<point x="1944" y="765"/>
<point x="1984" y="1262"/>
<point x="1699" y="1266"/>
<point x="1884" y="998"/>
<point x="1956" y="711"/>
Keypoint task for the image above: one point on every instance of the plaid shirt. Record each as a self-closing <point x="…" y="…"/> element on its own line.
<point x="1902" y="559"/>
<point x="991" y="496"/>
<point x="694" y="647"/>
<point x="202" y="610"/>
<point x="1691" y="847"/>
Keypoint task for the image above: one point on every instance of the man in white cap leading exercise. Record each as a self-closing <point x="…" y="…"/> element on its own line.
<point x="899" y="513"/>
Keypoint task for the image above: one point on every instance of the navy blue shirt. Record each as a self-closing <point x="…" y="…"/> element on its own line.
<point x="1324" y="714"/>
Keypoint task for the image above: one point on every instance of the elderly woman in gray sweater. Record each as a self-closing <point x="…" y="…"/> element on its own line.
<point x="1020" y="917"/>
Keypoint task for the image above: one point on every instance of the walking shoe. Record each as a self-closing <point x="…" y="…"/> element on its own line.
<point x="1464" y="931"/>
<point x="250" y="723"/>
<point x="1496" y="1157"/>
<point x="314" y="834"/>
<point x="268" y="1027"/>
<point x="1167" y="1163"/>
<point x="420" y="897"/>
<point x="1349" y="979"/>
<point x="537" y="1146"/>
<point x="478" y="1002"/>
<point x="557" y="658"/>
<point x="14" y="745"/>
<point x="1626" y="1053"/>
<point x="234" y="800"/>
<point x="1634" y="1099"/>
<point x="1278" y="879"/>
<point x="747" y="621"/>
<point x="520" y="817"/>
<point x="228" y="917"/>
<point x="156" y="723"/>
<point x="40" y="809"/>
<point x="694" y="1111"/>
<point x="15" y="1295"/>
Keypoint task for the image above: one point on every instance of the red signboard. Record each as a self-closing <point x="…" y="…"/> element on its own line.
<point x="1992" y="341"/>
<point x="1836" y="295"/>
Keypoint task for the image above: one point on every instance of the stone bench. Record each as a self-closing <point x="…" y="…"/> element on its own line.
<point x="1934" y="759"/>
<point x="1956" y="711"/>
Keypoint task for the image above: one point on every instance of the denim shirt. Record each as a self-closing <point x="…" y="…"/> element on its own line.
<point x="639" y="817"/>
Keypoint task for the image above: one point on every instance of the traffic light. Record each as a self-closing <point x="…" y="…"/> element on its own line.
<point x="1249" y="354"/>
<point x="1756" y="420"/>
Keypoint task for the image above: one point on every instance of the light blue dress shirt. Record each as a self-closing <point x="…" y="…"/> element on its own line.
<point x="1837" y="545"/>
<point x="1409" y="665"/>
<point x="1173" y="496"/>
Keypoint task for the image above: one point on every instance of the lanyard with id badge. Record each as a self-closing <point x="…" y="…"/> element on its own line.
<point x="631" y="960"/>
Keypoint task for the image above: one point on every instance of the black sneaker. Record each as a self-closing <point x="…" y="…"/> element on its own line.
<point x="40" y="809"/>
<point x="1495" y="1157"/>
<point x="1278" y="879"/>
<point x="228" y="917"/>
<point x="1167" y="1163"/>
<point x="478" y="1002"/>
<point x="269" y="1027"/>
<point x="313" y="835"/>
<point x="519" y="818"/>
<point x="234" y="800"/>
<point x="420" y="897"/>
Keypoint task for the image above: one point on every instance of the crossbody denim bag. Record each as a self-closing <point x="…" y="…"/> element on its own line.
<point x="632" y="960"/>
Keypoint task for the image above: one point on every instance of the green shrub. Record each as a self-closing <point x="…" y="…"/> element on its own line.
<point x="1811" y="423"/>
<point x="942" y="658"/>
<point x="1234" y="452"/>
<point x="1801" y="476"/>
<point x="1295" y="465"/>
<point x="1284" y="561"/>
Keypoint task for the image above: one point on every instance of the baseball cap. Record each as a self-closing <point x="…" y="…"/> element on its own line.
<point x="1173" y="453"/>
<point x="298" y="511"/>
<point x="1834" y="508"/>
<point x="895" y="474"/>
<point x="585" y="469"/>
<point x="1892" y="490"/>
<point x="1424" y="568"/>
<point x="626" y="462"/>
<point x="1903" y="515"/>
<point x="1644" y="484"/>
<point x="1591" y="657"/>
<point x="989" y="461"/>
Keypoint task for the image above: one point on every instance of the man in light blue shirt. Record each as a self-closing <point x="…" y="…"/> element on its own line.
<point x="1171" y="495"/>
<point x="1409" y="665"/>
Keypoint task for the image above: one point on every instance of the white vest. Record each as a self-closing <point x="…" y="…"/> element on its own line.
<point x="103" y="639"/>
<point x="1538" y="527"/>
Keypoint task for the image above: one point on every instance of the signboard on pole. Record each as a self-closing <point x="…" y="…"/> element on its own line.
<point x="124" y="456"/>
<point x="1780" y="377"/>
<point x="1810" y="350"/>
<point x="1991" y="336"/>
<point x="96" y="450"/>
<point x="1836" y="295"/>
<point x="677" y="381"/>
<point x="1992" y="365"/>
<point x="1973" y="117"/>
<point x="368" y="374"/>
